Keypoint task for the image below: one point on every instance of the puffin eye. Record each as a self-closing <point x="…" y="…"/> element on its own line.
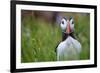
<point x="72" y="22"/>
<point x="62" y="22"/>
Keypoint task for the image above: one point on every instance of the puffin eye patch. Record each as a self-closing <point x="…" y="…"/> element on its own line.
<point x="62" y="22"/>
<point x="72" y="22"/>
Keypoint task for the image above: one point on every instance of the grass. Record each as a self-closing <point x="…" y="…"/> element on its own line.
<point x="39" y="39"/>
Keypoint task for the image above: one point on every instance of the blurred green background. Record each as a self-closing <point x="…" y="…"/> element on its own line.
<point x="41" y="33"/>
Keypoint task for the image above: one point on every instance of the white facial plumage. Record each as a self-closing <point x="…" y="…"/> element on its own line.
<point x="63" y="24"/>
<point x="71" y="24"/>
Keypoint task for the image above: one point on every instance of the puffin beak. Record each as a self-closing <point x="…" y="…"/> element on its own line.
<point x="68" y="27"/>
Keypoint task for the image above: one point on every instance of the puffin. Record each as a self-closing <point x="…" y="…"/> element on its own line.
<point x="69" y="48"/>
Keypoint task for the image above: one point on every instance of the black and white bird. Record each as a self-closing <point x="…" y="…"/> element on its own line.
<point x="69" y="48"/>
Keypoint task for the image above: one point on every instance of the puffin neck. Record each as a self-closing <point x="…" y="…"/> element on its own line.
<point x="65" y="35"/>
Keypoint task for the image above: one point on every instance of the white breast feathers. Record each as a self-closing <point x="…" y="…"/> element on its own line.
<point x="68" y="50"/>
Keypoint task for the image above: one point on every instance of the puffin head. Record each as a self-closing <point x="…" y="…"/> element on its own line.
<point x="67" y="25"/>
